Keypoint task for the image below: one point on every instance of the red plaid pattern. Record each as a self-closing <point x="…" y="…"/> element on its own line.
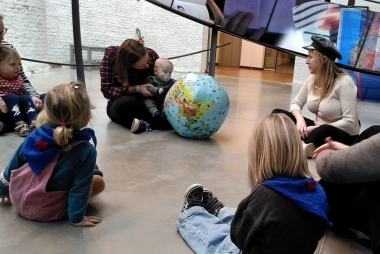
<point x="110" y="86"/>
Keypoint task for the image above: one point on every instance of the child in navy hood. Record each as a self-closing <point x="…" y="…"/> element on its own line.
<point x="286" y="211"/>
<point x="59" y="158"/>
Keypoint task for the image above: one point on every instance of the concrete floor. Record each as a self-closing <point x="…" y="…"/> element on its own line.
<point x="146" y="175"/>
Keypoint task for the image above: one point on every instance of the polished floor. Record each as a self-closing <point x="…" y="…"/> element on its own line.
<point x="146" y="174"/>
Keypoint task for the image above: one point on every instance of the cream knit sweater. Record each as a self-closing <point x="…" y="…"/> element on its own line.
<point x="337" y="108"/>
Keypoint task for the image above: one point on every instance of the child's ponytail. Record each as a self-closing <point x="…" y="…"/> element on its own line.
<point x="66" y="108"/>
<point x="62" y="134"/>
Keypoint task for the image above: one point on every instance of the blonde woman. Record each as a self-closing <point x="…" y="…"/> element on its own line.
<point x="284" y="213"/>
<point x="329" y="93"/>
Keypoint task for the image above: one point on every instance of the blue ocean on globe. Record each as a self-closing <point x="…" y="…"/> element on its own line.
<point x="196" y="106"/>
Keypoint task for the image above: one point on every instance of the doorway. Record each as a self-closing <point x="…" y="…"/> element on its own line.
<point x="229" y="55"/>
<point x="278" y="61"/>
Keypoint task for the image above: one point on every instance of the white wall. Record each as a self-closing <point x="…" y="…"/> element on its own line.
<point x="301" y="72"/>
<point x="42" y="29"/>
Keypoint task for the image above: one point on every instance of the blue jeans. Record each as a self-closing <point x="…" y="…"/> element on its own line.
<point x="206" y="233"/>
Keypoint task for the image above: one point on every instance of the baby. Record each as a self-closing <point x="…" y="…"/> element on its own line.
<point x="161" y="84"/>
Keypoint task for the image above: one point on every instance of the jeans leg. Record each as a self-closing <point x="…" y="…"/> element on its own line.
<point x="205" y="233"/>
<point x="226" y="214"/>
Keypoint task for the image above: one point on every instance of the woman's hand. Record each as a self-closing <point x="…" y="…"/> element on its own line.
<point x="302" y="128"/>
<point x="143" y="90"/>
<point x="309" y="129"/>
<point x="37" y="102"/>
<point x="88" y="221"/>
<point x="3" y="106"/>
<point x="331" y="145"/>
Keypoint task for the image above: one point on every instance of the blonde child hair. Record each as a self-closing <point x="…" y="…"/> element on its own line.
<point x="163" y="61"/>
<point x="7" y="53"/>
<point x="275" y="149"/>
<point x="66" y="108"/>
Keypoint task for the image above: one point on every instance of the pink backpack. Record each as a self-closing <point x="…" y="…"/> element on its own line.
<point x="27" y="192"/>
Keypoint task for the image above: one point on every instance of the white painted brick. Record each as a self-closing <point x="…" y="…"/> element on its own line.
<point x="42" y="29"/>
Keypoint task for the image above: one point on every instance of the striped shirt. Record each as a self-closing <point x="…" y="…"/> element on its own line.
<point x="28" y="87"/>
<point x="110" y="86"/>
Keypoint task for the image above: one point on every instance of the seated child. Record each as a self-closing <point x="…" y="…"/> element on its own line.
<point x="286" y="211"/>
<point x="161" y="82"/>
<point x="59" y="162"/>
<point x="13" y="98"/>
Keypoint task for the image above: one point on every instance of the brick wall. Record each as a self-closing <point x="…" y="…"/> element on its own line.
<point x="301" y="72"/>
<point x="42" y="29"/>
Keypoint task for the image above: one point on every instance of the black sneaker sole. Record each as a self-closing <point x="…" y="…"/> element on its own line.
<point x="188" y="190"/>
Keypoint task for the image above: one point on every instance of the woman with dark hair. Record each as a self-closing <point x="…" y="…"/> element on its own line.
<point x="123" y="72"/>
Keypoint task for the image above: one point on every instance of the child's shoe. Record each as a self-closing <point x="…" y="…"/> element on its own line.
<point x="140" y="126"/>
<point x="97" y="171"/>
<point x="163" y="116"/>
<point x="2" y="127"/>
<point x="156" y="114"/>
<point x="32" y="125"/>
<point x="193" y="196"/>
<point x="98" y="185"/>
<point x="22" y="129"/>
<point x="309" y="149"/>
<point x="211" y="203"/>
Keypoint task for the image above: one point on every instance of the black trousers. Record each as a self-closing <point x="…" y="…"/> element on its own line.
<point x="318" y="135"/>
<point x="356" y="206"/>
<point x="124" y="109"/>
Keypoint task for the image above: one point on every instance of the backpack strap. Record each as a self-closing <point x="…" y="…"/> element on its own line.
<point x="69" y="146"/>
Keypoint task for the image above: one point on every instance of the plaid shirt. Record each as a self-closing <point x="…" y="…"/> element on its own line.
<point x="110" y="86"/>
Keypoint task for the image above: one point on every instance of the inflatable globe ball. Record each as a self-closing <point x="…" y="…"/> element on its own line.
<point x="196" y="106"/>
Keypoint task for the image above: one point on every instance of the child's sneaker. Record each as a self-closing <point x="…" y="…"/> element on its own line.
<point x="211" y="203"/>
<point x="2" y="127"/>
<point x="97" y="171"/>
<point x="22" y="129"/>
<point x="98" y="185"/>
<point x="140" y="126"/>
<point x="309" y="149"/>
<point x="156" y="114"/>
<point x="193" y="196"/>
<point x="32" y="125"/>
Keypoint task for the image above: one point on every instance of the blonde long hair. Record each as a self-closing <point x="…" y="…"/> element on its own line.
<point x="274" y="149"/>
<point x="327" y="73"/>
<point x="66" y="108"/>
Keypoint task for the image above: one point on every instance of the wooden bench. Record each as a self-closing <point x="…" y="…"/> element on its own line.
<point x="89" y="50"/>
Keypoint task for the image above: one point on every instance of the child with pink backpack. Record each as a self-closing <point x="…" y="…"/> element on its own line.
<point x="51" y="174"/>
